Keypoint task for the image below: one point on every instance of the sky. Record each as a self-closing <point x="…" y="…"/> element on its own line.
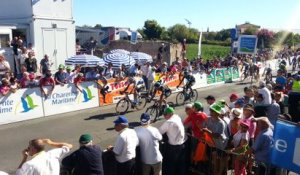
<point x="203" y="14"/>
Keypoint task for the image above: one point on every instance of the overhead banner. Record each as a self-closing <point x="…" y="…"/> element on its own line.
<point x="68" y="98"/>
<point x="247" y="44"/>
<point x="23" y="105"/>
<point x="286" y="149"/>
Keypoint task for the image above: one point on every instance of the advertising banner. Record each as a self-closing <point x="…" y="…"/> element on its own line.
<point x="235" y="73"/>
<point x="227" y="74"/>
<point x="211" y="77"/>
<point x="286" y="149"/>
<point x="23" y="105"/>
<point x="247" y="44"/>
<point x="219" y="75"/>
<point x="68" y="98"/>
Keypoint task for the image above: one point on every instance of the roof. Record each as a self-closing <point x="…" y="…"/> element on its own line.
<point x="247" y="25"/>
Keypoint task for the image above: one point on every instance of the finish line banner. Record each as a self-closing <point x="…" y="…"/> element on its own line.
<point x="286" y="150"/>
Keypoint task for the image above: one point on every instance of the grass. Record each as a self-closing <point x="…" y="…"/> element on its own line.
<point x="208" y="51"/>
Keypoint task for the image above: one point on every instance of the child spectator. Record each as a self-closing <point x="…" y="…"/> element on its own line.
<point x="4" y="88"/>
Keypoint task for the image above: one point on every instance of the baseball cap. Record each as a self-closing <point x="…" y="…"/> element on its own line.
<point x="210" y="97"/>
<point x="68" y="68"/>
<point x="240" y="102"/>
<point x="169" y="110"/>
<point x="198" y="105"/>
<point x="188" y="106"/>
<point x="61" y="66"/>
<point x="145" y="118"/>
<point x="85" y="138"/>
<point x="233" y="96"/>
<point x="121" y="120"/>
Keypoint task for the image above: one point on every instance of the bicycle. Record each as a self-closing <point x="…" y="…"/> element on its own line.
<point x="156" y="110"/>
<point x="187" y="94"/>
<point x="123" y="105"/>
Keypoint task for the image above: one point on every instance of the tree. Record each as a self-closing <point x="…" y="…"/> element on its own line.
<point x="178" y="32"/>
<point x="98" y="26"/>
<point x="250" y="31"/>
<point x="265" y="38"/>
<point x="193" y="35"/>
<point x="152" y="30"/>
<point x="223" y="35"/>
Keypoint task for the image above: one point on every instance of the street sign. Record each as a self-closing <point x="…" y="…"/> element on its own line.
<point x="133" y="39"/>
<point x="247" y="44"/>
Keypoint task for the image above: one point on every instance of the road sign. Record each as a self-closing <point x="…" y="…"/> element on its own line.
<point x="247" y="44"/>
<point x="133" y="39"/>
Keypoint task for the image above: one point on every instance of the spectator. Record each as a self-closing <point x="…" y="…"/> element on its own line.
<point x="240" y="142"/>
<point x="108" y="73"/>
<point x="196" y="119"/>
<point x="14" y="85"/>
<point x="148" y="141"/>
<point x="163" y="68"/>
<point x="92" y="74"/>
<point x="31" y="49"/>
<point x="133" y="70"/>
<point x="79" y="79"/>
<point x="150" y="76"/>
<point x="68" y="69"/>
<point x="239" y="103"/>
<point x="45" y="65"/>
<point x="210" y="100"/>
<point x="262" y="145"/>
<point x="5" y="87"/>
<point x="279" y="100"/>
<point x="60" y="76"/>
<point x="42" y="163"/>
<point x="216" y="128"/>
<point x="280" y="81"/>
<point x="24" y="79"/>
<point x="249" y="95"/>
<point x="273" y="111"/>
<point x="74" y="74"/>
<point x="125" y="146"/>
<point x="233" y="98"/>
<point x="87" y="160"/>
<point x="236" y="115"/>
<point x="248" y="113"/>
<point x="31" y="63"/>
<point x="175" y="153"/>
<point x="32" y="82"/>
<point x="122" y="73"/>
<point x="145" y="72"/>
<point x="47" y="81"/>
<point x="4" y="66"/>
<point x="265" y="93"/>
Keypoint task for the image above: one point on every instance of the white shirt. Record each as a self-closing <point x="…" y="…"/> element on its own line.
<point x="174" y="129"/>
<point x="266" y="95"/>
<point x="125" y="145"/>
<point x="44" y="163"/>
<point x="239" y="136"/>
<point x="206" y="110"/>
<point x="70" y="78"/>
<point x="145" y="70"/>
<point x="151" y="74"/>
<point x="149" y="146"/>
<point x="4" y="67"/>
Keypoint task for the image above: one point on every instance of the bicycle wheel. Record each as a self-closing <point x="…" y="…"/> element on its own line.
<point x="122" y="106"/>
<point x="194" y="95"/>
<point x="142" y="101"/>
<point x="180" y="98"/>
<point x="153" y="112"/>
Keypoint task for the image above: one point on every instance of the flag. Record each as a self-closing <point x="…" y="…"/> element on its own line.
<point x="286" y="150"/>
<point x="199" y="45"/>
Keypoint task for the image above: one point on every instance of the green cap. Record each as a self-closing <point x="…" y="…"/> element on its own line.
<point x="68" y="68"/>
<point x="85" y="138"/>
<point x="198" y="106"/>
<point x="216" y="108"/>
<point x="221" y="103"/>
<point x="61" y="66"/>
<point x="169" y="110"/>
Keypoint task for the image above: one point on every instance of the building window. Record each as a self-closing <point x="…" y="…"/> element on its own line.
<point x="4" y="40"/>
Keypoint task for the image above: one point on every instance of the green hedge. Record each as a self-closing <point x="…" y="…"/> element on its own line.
<point x="208" y="51"/>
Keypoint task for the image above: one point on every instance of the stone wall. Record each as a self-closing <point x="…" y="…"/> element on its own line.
<point x="171" y="51"/>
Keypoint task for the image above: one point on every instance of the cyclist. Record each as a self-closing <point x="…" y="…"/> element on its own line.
<point x="165" y="91"/>
<point x="294" y="63"/>
<point x="190" y="80"/>
<point x="138" y="85"/>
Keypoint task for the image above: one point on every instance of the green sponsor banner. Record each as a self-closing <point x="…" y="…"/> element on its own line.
<point x="235" y="73"/>
<point x="227" y="74"/>
<point x="220" y="75"/>
<point x="211" y="78"/>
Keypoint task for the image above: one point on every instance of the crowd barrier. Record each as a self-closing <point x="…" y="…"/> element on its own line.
<point x="28" y="103"/>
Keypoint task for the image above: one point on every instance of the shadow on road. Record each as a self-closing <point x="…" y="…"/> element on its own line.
<point x="101" y="116"/>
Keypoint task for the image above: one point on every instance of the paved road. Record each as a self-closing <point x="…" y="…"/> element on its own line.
<point x="68" y="127"/>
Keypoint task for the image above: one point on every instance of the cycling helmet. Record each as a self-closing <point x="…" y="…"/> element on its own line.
<point x="157" y="84"/>
<point x="167" y="92"/>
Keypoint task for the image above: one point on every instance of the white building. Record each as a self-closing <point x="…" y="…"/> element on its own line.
<point x="47" y="24"/>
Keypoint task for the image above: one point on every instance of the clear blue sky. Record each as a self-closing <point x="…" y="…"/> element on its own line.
<point x="215" y="14"/>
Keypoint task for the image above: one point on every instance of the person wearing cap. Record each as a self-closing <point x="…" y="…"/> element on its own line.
<point x="216" y="128"/>
<point x="42" y="162"/>
<point x="209" y="100"/>
<point x="47" y="81"/>
<point x="262" y="145"/>
<point x="60" y="76"/>
<point x="233" y="98"/>
<point x="239" y="103"/>
<point x="265" y="92"/>
<point x="195" y="119"/>
<point x="248" y="115"/>
<point x="175" y="156"/>
<point x="235" y="115"/>
<point x="86" y="160"/>
<point x="149" y="137"/>
<point x="125" y="146"/>
<point x="240" y="142"/>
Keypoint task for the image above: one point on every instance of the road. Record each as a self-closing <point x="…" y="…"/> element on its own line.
<point x="68" y="127"/>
